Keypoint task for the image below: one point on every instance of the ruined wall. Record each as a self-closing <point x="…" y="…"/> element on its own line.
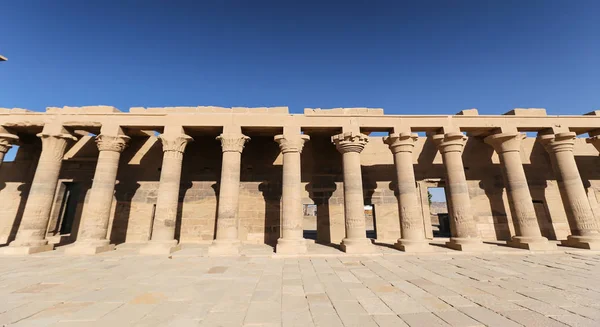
<point x="260" y="192"/>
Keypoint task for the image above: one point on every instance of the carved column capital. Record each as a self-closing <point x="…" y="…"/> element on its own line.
<point x="403" y="142"/>
<point x="505" y="142"/>
<point x="595" y="141"/>
<point x="450" y="142"/>
<point x="291" y="144"/>
<point x="175" y="143"/>
<point x="112" y="143"/>
<point x="350" y="142"/>
<point x="233" y="142"/>
<point x="558" y="142"/>
<point x="7" y="141"/>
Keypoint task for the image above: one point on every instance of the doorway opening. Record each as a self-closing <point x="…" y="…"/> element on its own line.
<point x="309" y="222"/>
<point x="438" y="211"/>
<point x="370" y="221"/>
<point x="68" y="208"/>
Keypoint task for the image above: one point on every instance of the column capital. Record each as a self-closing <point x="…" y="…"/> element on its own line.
<point x="7" y="141"/>
<point x="402" y="142"/>
<point x="350" y="142"/>
<point x="594" y="140"/>
<point x="112" y="143"/>
<point x="291" y="144"/>
<point x="558" y="142"/>
<point x="233" y="142"/>
<point x="505" y="142"/>
<point x="450" y="142"/>
<point x="174" y="142"/>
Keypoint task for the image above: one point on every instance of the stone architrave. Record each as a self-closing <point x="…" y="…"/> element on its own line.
<point x="292" y="240"/>
<point x="163" y="230"/>
<point x="584" y="232"/>
<point x="465" y="236"/>
<point x="227" y="241"/>
<point x="350" y="145"/>
<point x="92" y="237"/>
<point x="528" y="234"/>
<point x="6" y="142"/>
<point x="31" y="236"/>
<point x="411" y="222"/>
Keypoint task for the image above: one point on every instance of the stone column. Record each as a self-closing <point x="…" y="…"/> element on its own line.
<point x="528" y="235"/>
<point x="163" y="230"/>
<point x="409" y="209"/>
<point x="226" y="240"/>
<point x="6" y="142"/>
<point x="350" y="145"/>
<point x="584" y="228"/>
<point x="465" y="236"/>
<point x="96" y="212"/>
<point x="292" y="240"/>
<point x="31" y="236"/>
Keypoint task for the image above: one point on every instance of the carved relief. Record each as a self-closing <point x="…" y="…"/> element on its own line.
<point x="525" y="213"/>
<point x="174" y="143"/>
<point x="291" y="144"/>
<point x="584" y="215"/>
<point x="233" y="142"/>
<point x="53" y="146"/>
<point x="350" y="142"/>
<point x="112" y="143"/>
<point x="409" y="219"/>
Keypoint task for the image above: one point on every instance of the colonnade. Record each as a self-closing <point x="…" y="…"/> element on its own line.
<point x="31" y="236"/>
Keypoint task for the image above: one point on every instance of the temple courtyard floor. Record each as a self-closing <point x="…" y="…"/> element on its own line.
<point x="503" y="287"/>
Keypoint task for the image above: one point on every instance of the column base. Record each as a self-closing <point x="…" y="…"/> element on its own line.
<point x="89" y="248"/>
<point x="413" y="246"/>
<point x="160" y="248"/>
<point x="26" y="249"/>
<point x="467" y="244"/>
<point x="531" y="243"/>
<point x="293" y="246"/>
<point x="357" y="246"/>
<point x="224" y="247"/>
<point x="582" y="242"/>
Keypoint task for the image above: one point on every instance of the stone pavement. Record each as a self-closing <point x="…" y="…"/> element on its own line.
<point x="122" y="288"/>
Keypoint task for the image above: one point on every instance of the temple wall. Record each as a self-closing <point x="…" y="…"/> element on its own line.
<point x="260" y="192"/>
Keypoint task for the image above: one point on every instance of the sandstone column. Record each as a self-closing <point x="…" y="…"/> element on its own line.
<point x="96" y="212"/>
<point x="226" y="240"/>
<point x="31" y="236"/>
<point x="411" y="221"/>
<point x="350" y="145"/>
<point x="465" y="236"/>
<point x="292" y="240"/>
<point x="163" y="230"/>
<point x="6" y="142"/>
<point x="584" y="229"/>
<point x="528" y="235"/>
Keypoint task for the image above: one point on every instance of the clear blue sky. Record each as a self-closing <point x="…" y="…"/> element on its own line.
<point x="405" y="56"/>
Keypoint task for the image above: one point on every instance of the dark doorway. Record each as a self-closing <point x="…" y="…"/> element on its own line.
<point x="438" y="210"/>
<point x="370" y="221"/>
<point x="69" y="207"/>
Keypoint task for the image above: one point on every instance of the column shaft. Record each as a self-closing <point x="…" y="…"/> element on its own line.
<point x="350" y="144"/>
<point x="462" y="225"/>
<point x="527" y="229"/>
<point x="32" y="231"/>
<point x="411" y="221"/>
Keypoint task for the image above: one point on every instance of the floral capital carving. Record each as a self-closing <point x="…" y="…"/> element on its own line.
<point x="7" y="141"/>
<point x="350" y="142"/>
<point x="233" y="142"/>
<point x="291" y="144"/>
<point x="450" y="142"/>
<point x="176" y="143"/>
<point x="403" y="142"/>
<point x="505" y="142"/>
<point x="558" y="142"/>
<point x="112" y="143"/>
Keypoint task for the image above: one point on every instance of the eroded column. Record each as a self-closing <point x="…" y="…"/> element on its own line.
<point x="31" y="236"/>
<point x="6" y="142"/>
<point x="528" y="235"/>
<point x="584" y="229"/>
<point x="465" y="236"/>
<point x="350" y="145"/>
<point x="92" y="237"/>
<point x="409" y="209"/>
<point x="226" y="240"/>
<point x="163" y="239"/>
<point x="292" y="240"/>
